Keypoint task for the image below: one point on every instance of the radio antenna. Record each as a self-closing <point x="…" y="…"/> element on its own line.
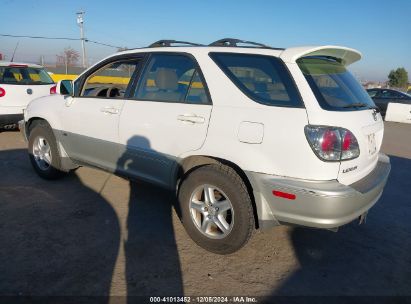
<point x="15" y="49"/>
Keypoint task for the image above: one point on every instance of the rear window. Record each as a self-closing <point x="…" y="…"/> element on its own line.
<point x="264" y="79"/>
<point x="333" y="85"/>
<point x="24" y="76"/>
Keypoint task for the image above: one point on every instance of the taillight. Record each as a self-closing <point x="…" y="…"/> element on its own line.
<point x="53" y="89"/>
<point x="350" y="148"/>
<point x="332" y="143"/>
<point x="2" y="92"/>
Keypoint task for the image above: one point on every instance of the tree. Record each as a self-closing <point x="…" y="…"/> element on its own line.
<point x="69" y="57"/>
<point x="398" y="78"/>
<point x="120" y="49"/>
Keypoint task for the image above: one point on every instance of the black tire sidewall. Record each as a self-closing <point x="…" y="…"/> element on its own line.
<point x="240" y="200"/>
<point x="43" y="130"/>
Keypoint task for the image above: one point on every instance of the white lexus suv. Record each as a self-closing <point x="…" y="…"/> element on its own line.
<point x="19" y="84"/>
<point x="247" y="135"/>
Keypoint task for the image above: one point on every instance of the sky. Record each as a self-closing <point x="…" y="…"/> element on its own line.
<point x="379" y="29"/>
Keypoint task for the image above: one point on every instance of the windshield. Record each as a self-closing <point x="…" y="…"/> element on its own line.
<point x="24" y="76"/>
<point x="333" y="85"/>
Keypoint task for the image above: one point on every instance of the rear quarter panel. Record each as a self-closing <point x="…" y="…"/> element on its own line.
<point x="284" y="149"/>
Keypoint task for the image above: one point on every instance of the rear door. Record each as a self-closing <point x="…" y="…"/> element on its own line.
<point x="23" y="84"/>
<point x="400" y="111"/>
<point x="167" y="116"/>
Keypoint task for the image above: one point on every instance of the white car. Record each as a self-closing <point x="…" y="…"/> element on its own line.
<point x="394" y="105"/>
<point x="247" y="135"/>
<point x="19" y="84"/>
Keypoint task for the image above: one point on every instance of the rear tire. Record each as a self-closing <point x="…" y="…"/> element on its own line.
<point x="43" y="152"/>
<point x="216" y="209"/>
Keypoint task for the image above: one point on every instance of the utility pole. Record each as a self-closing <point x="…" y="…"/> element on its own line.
<point x="80" y="23"/>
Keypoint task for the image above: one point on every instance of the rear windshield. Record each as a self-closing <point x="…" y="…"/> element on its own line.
<point x="264" y="79"/>
<point x="333" y="85"/>
<point x="24" y="76"/>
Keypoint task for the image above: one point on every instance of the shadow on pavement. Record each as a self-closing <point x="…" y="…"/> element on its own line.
<point x="57" y="237"/>
<point x="372" y="259"/>
<point x="63" y="238"/>
<point x="152" y="261"/>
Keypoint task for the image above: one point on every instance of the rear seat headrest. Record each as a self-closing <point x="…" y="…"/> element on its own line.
<point x="166" y="79"/>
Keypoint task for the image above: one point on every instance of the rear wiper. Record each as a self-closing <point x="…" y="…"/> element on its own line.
<point x="362" y="105"/>
<point x="377" y="109"/>
<point x="356" y="105"/>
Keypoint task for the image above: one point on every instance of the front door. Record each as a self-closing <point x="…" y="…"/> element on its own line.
<point x="91" y="117"/>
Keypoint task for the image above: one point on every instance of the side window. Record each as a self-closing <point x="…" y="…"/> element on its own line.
<point x="110" y="81"/>
<point x="263" y="78"/>
<point x="171" y="78"/>
<point x="372" y="93"/>
<point x="390" y="94"/>
<point x="197" y="93"/>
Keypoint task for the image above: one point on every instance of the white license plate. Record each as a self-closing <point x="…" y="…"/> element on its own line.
<point x="372" y="146"/>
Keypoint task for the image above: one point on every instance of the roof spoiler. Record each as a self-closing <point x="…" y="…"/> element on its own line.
<point x="346" y="55"/>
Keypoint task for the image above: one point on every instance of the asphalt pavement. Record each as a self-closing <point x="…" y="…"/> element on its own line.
<point x="94" y="233"/>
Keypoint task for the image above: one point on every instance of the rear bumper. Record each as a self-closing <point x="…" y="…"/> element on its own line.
<point x="9" y="119"/>
<point x="22" y="128"/>
<point x="320" y="204"/>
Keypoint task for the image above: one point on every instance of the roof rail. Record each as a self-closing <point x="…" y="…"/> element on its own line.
<point x="232" y="42"/>
<point x="164" y="43"/>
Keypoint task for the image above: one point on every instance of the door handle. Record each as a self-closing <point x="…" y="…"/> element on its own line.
<point x="109" y="110"/>
<point x="191" y="118"/>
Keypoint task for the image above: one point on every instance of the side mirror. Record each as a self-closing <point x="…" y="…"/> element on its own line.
<point x="65" y="87"/>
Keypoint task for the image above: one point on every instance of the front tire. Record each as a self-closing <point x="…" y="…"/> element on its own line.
<point x="43" y="152"/>
<point x="216" y="209"/>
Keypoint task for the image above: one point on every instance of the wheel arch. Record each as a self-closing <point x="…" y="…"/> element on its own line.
<point x="193" y="162"/>
<point x="29" y="125"/>
<point x="66" y="163"/>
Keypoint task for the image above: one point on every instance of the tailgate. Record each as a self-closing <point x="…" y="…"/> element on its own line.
<point x="369" y="133"/>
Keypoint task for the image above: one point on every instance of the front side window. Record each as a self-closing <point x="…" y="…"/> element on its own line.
<point x="23" y="75"/>
<point x="172" y="78"/>
<point x="110" y="81"/>
<point x="333" y="85"/>
<point x="264" y="79"/>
